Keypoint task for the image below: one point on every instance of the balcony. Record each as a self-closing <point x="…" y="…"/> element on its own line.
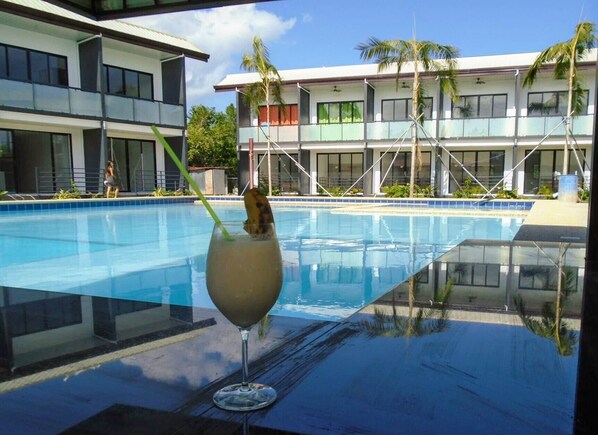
<point x="45" y="98"/>
<point x="62" y="100"/>
<point x="477" y="127"/>
<point x="396" y="129"/>
<point x="332" y="132"/>
<point x="542" y="125"/>
<point x="149" y="112"/>
<point x="278" y="134"/>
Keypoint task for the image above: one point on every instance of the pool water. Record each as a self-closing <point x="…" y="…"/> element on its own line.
<point x="334" y="264"/>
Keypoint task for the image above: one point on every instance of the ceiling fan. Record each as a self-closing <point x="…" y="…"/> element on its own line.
<point x="336" y="89"/>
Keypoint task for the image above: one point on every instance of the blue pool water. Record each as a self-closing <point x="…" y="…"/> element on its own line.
<point x="334" y="264"/>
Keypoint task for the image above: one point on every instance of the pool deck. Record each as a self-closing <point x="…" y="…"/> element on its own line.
<point x="555" y="221"/>
<point x="331" y="377"/>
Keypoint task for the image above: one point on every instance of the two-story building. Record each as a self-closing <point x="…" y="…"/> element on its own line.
<point x="350" y="126"/>
<point x="75" y="92"/>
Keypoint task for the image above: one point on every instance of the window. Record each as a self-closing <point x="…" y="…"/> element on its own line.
<point x="486" y="166"/>
<point x="343" y="112"/>
<point x="474" y="274"/>
<point x="400" y="171"/>
<point x="35" y="66"/>
<point x="480" y="106"/>
<point x="120" y="81"/>
<point x="400" y="109"/>
<point x="339" y="169"/>
<point x="540" y="168"/>
<point x="287" y="115"/>
<point x="539" y="277"/>
<point x="552" y="103"/>
<point x="285" y="174"/>
<point x="135" y="164"/>
<point x="41" y="315"/>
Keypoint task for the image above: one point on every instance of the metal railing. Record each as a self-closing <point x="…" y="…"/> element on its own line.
<point x="340" y="181"/>
<point x="284" y="183"/>
<point x="54" y="180"/>
<point x="89" y="181"/>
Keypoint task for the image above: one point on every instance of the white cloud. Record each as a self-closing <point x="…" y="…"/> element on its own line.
<point x="224" y="33"/>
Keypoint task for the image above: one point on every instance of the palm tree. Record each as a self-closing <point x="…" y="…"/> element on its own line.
<point x="268" y="88"/>
<point x="396" y="53"/>
<point x="565" y="56"/>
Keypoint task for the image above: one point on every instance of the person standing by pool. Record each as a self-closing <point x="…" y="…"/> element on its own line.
<point x="110" y="180"/>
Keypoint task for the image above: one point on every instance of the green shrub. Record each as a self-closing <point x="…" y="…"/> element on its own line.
<point x="263" y="187"/>
<point x="3" y="194"/>
<point x="469" y="190"/>
<point x="583" y="194"/>
<point x="396" y="191"/>
<point x="545" y="192"/>
<point x="506" y="194"/>
<point x="160" y="191"/>
<point x="402" y="191"/>
<point x="72" y="193"/>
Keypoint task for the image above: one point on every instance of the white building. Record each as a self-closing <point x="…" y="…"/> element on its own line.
<point x="342" y="121"/>
<point x="75" y="92"/>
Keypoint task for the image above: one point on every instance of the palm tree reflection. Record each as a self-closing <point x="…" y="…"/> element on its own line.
<point x="425" y="321"/>
<point x="551" y="325"/>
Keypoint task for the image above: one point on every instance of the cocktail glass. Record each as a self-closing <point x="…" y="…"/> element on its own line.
<point x="244" y="278"/>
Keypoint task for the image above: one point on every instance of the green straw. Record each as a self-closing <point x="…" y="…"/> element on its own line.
<point x="191" y="182"/>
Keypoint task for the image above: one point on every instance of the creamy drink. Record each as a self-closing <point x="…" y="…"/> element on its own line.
<point x="244" y="276"/>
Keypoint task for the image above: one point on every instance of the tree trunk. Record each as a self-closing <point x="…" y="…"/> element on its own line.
<point x="414" y="138"/>
<point x="268" y="144"/>
<point x="569" y="109"/>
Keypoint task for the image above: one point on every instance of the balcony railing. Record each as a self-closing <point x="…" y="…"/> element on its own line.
<point x="332" y="132"/>
<point x="477" y="127"/>
<point x="396" y="129"/>
<point x="279" y="134"/>
<point x="146" y="111"/>
<point x="542" y="125"/>
<point x="45" y="98"/>
<point x="71" y="101"/>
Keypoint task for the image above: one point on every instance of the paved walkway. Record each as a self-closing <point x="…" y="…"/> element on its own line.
<point x="555" y="221"/>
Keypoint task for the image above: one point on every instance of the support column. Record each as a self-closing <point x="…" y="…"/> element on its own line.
<point x="104" y="318"/>
<point x="304" y="180"/>
<point x="6" y="351"/>
<point x="368" y="179"/>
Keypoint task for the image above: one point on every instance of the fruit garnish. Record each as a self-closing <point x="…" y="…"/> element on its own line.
<point x="259" y="213"/>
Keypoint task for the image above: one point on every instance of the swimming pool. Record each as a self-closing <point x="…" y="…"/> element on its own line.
<point x="334" y="264"/>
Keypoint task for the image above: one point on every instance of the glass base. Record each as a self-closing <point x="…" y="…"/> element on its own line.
<point x="239" y="397"/>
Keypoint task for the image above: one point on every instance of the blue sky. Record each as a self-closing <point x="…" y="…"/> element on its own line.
<point x="314" y="33"/>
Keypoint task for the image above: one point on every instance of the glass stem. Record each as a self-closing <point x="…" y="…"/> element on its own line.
<point x="244" y="363"/>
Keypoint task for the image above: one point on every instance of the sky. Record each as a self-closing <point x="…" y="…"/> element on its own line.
<point x="316" y="33"/>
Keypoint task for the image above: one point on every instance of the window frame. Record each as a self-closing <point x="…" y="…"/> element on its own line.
<point x="125" y="88"/>
<point x="472" y="267"/>
<point x="554" y="110"/>
<point x="338" y="105"/>
<point x="407" y="102"/>
<point x="55" y="78"/>
<point x="456" y="109"/>
<point x="289" y="112"/>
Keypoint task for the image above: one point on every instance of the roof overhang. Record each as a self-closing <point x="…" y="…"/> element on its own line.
<point x="109" y="29"/>
<point x="110" y="10"/>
